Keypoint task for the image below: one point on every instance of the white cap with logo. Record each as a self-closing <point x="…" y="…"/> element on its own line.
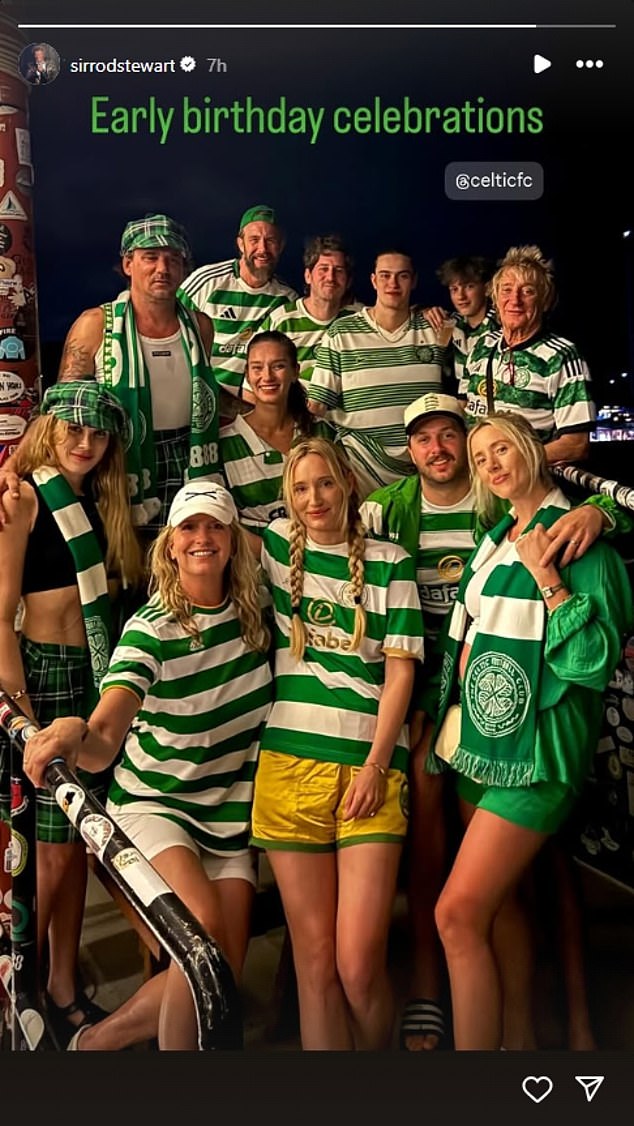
<point x="202" y="497"/>
<point x="432" y="403"/>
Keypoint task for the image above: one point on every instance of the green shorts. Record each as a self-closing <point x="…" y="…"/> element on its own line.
<point x="542" y="807"/>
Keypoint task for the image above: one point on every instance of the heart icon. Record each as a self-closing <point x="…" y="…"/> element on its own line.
<point x="537" y="1087"/>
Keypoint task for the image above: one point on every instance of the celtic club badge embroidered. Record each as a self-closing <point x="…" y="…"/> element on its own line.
<point x="203" y="406"/>
<point x="498" y="692"/>
<point x="98" y="644"/>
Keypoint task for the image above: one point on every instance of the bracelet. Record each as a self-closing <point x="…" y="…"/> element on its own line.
<point x="19" y="694"/>
<point x="377" y="766"/>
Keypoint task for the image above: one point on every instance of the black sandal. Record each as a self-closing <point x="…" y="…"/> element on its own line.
<point x="60" y="1015"/>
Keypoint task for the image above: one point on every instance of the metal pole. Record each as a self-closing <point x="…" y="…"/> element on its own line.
<point x="197" y="954"/>
<point x="620" y="493"/>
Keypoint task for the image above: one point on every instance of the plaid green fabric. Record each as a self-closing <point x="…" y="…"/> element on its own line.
<point x="154" y="231"/>
<point x="92" y="581"/>
<point x="86" y="403"/>
<point x="172" y="458"/>
<point x="56" y="679"/>
<point x="127" y="376"/>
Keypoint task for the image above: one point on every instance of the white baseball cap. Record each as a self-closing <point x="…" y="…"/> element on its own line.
<point x="432" y="403"/>
<point x="202" y="497"/>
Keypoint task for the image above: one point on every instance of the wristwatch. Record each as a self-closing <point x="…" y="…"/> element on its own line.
<point x="548" y="591"/>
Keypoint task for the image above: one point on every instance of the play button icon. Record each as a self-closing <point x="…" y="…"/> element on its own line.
<point x="540" y="63"/>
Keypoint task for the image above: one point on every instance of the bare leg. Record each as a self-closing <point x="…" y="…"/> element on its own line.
<point x="426" y="860"/>
<point x="308" y="886"/>
<point x="571" y="952"/>
<point x="513" y="946"/>
<point x="367" y="885"/>
<point x="164" y="1005"/>
<point x="492" y="858"/>
<point x="183" y="871"/>
<point x="61" y="891"/>
<point x="132" y="1023"/>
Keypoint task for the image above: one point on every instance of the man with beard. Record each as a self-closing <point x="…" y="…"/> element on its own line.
<point x="238" y="293"/>
<point x="431" y="515"/>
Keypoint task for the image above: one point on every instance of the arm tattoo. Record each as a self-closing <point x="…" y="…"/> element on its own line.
<point x="76" y="362"/>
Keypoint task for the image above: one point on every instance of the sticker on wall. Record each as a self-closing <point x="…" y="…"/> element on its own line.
<point x="11" y="208"/>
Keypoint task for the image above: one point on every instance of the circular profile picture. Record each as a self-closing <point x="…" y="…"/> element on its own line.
<point x="39" y="63"/>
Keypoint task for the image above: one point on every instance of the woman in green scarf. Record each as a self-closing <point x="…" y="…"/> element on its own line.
<point x="529" y="650"/>
<point x="70" y="531"/>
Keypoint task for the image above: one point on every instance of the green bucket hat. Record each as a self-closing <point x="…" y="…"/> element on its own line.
<point x="154" y="231"/>
<point x="86" y="403"/>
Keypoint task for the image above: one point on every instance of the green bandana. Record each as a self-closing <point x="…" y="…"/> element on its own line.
<point x="85" y="403"/>
<point x="127" y="376"/>
<point x="153" y="232"/>
<point x="91" y="572"/>
<point x="501" y="688"/>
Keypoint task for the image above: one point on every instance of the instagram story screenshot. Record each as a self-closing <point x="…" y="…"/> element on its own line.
<point x="295" y="262"/>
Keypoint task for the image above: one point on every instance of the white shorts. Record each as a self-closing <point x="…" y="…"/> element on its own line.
<point x="152" y="834"/>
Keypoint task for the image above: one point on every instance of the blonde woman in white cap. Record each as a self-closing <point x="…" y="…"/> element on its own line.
<point x="201" y="629"/>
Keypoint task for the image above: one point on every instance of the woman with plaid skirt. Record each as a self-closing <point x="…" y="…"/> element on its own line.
<point x="67" y="532"/>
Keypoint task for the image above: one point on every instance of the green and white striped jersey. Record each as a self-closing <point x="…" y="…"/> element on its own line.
<point x="326" y="705"/>
<point x="253" y="471"/>
<point x="235" y="308"/>
<point x="366" y="377"/>
<point x="305" y="331"/>
<point x="464" y="338"/>
<point x="191" y="751"/>
<point x="544" y="378"/>
<point x="445" y="542"/>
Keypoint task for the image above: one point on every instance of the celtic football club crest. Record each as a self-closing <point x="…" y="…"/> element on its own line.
<point x="498" y="692"/>
<point x="522" y="378"/>
<point x="347" y="595"/>
<point x="203" y="406"/>
<point x="98" y="645"/>
<point x="424" y="354"/>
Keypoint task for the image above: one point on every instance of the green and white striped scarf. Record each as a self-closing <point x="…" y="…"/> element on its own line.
<point x="92" y="581"/>
<point x="127" y="376"/>
<point x="500" y="692"/>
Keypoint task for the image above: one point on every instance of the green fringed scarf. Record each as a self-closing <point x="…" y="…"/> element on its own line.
<point x="125" y="373"/>
<point x="92" y="581"/>
<point x="501" y="686"/>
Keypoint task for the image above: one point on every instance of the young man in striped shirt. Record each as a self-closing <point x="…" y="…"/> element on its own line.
<point x="239" y="292"/>
<point x="369" y="366"/>
<point x="468" y="280"/>
<point x="328" y="278"/>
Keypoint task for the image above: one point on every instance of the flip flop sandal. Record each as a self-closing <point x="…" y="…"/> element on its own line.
<point x="421" y="1017"/>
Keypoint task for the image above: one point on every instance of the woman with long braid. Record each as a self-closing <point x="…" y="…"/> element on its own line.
<point x="331" y="789"/>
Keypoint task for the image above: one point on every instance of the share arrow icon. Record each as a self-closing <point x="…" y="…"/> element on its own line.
<point x="590" y="1084"/>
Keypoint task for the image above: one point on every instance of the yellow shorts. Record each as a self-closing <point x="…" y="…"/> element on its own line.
<point x="298" y="806"/>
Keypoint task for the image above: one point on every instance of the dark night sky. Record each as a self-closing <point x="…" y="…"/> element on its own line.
<point x="376" y="190"/>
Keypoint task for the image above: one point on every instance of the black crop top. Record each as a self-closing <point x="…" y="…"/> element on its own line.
<point x="48" y="564"/>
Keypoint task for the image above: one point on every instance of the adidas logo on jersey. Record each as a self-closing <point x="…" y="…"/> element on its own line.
<point x="229" y="314"/>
